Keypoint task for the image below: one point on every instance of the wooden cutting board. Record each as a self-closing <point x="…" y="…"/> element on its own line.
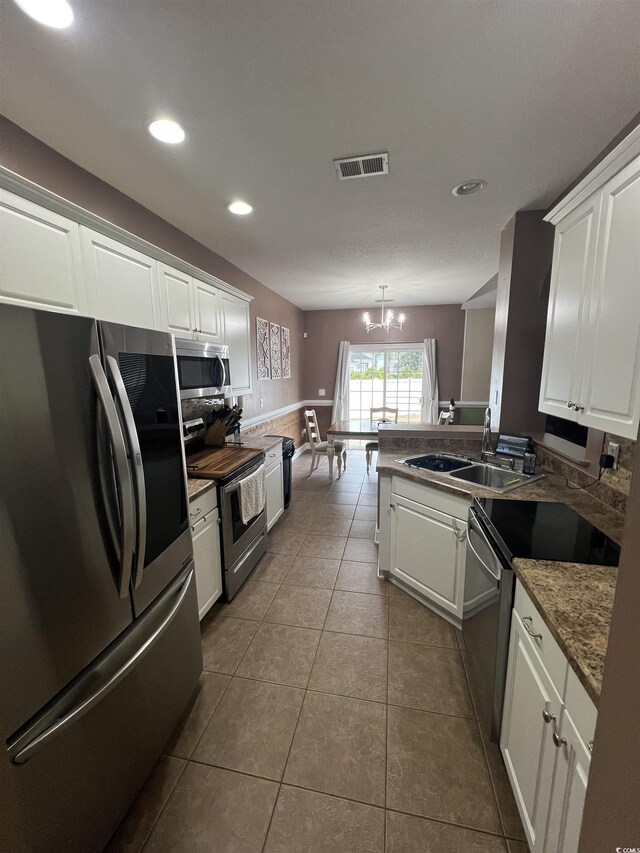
<point x="215" y="464"/>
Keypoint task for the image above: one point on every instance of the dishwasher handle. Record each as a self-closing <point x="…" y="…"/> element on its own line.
<point x="475" y="528"/>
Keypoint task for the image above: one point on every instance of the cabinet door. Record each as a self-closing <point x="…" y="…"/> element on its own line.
<point x="567" y="317"/>
<point x="611" y="396"/>
<point x="235" y="313"/>
<point x="122" y="281"/>
<point x="40" y="258"/>
<point x="206" y="557"/>
<point x="569" y="790"/>
<point x="275" y="494"/>
<point x="526" y="739"/>
<point x="176" y="302"/>
<point x="428" y="552"/>
<point x="208" y="319"/>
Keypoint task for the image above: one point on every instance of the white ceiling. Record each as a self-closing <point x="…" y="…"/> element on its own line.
<point x="522" y="93"/>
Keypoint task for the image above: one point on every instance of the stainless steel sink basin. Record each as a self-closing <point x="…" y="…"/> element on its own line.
<point x="438" y="462"/>
<point x="494" y="478"/>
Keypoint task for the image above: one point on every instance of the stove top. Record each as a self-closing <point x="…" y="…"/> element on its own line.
<point x="542" y="530"/>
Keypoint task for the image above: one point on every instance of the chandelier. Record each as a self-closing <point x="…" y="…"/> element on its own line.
<point x="385" y="322"/>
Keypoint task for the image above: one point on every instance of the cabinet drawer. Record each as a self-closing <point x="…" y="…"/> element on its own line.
<point x="273" y="456"/>
<point x="583" y="712"/>
<point x="545" y="645"/>
<point x="458" y="507"/>
<point x="202" y="505"/>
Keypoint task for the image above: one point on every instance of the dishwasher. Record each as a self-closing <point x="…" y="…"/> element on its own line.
<point x="501" y="530"/>
<point x="488" y="594"/>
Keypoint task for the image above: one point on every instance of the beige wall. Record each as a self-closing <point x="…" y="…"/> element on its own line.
<point x="27" y="156"/>
<point x="478" y="350"/>
<point x="325" y="330"/>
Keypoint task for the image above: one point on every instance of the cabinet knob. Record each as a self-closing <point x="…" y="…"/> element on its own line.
<point x="547" y="716"/>
<point x="194" y="330"/>
<point x="590" y="746"/>
<point x="558" y="740"/>
<point x="578" y="408"/>
<point x="570" y="404"/>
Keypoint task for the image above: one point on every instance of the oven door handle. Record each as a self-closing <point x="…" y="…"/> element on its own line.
<point x="474" y="527"/>
<point x="234" y="485"/>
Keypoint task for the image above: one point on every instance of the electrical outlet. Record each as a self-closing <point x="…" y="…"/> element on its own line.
<point x="613" y="448"/>
<point x="261" y="403"/>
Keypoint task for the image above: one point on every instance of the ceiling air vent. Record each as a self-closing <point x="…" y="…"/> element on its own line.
<point x="362" y="167"/>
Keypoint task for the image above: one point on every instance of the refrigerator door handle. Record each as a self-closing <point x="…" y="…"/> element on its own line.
<point x="62" y="717"/>
<point x="136" y="459"/>
<point x="123" y="473"/>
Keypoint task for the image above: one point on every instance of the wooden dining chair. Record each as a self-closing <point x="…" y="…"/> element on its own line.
<point x="321" y="448"/>
<point x="379" y="414"/>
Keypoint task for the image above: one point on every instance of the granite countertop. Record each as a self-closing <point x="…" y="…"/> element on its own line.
<point x="551" y="487"/>
<point x="197" y="487"/>
<point x="576" y="602"/>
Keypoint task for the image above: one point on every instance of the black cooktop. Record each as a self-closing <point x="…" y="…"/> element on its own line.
<point x="542" y="530"/>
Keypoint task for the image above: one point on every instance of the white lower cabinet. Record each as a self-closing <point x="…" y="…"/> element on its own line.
<point x="547" y="729"/>
<point x="275" y="489"/>
<point x="40" y="258"/>
<point x="526" y="739"/>
<point x="423" y="542"/>
<point x="205" y="533"/>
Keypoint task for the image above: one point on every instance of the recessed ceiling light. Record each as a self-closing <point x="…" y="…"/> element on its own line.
<point x="51" y="13"/>
<point x="167" y="130"/>
<point x="240" y="208"/>
<point x="469" y="187"/>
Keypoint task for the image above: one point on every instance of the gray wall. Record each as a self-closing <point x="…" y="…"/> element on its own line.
<point x="325" y="330"/>
<point x="478" y="352"/>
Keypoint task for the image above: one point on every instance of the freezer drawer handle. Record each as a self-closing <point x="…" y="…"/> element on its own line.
<point x="136" y="460"/>
<point x="21" y="754"/>
<point x="123" y="473"/>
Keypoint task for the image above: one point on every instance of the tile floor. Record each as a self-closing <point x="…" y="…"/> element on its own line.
<point x="333" y="714"/>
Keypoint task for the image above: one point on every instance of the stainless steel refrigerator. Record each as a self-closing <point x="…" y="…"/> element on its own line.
<point x="99" y="634"/>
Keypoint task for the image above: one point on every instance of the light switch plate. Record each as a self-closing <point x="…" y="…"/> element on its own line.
<point x="322" y="392"/>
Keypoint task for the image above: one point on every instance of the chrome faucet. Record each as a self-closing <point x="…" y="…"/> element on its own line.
<point x="486" y="437"/>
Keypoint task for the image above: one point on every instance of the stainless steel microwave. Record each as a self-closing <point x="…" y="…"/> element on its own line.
<point x="203" y="369"/>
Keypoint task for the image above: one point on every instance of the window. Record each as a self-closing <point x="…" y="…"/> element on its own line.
<point x="386" y="376"/>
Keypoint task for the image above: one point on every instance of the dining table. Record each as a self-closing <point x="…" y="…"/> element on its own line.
<point x="358" y="430"/>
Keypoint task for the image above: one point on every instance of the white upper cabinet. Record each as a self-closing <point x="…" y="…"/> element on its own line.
<point x="123" y="283"/>
<point x="177" y="310"/>
<point x="40" y="259"/>
<point x="208" y="313"/>
<point x="591" y="371"/>
<point x="571" y="280"/>
<point x="235" y="313"/>
<point x="611" y="394"/>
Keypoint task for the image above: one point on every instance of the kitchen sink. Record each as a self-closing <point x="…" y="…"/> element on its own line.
<point x="492" y="477"/>
<point x="439" y="462"/>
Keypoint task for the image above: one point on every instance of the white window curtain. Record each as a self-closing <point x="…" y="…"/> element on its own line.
<point x="340" y="411"/>
<point x="429" y="413"/>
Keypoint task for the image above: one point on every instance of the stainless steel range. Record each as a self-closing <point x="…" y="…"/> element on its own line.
<point x="242" y="543"/>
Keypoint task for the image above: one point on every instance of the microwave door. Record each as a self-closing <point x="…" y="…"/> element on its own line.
<point x="141" y="369"/>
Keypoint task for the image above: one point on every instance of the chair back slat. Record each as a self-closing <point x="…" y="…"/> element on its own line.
<point x="384" y="411"/>
<point x="311" y="425"/>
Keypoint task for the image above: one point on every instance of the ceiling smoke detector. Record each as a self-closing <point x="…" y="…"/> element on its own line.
<point x="469" y="187"/>
<point x="365" y="166"/>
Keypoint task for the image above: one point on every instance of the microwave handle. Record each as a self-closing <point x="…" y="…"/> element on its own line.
<point x="224" y="371"/>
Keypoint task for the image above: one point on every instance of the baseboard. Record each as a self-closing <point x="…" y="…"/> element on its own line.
<point x="302" y="449"/>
